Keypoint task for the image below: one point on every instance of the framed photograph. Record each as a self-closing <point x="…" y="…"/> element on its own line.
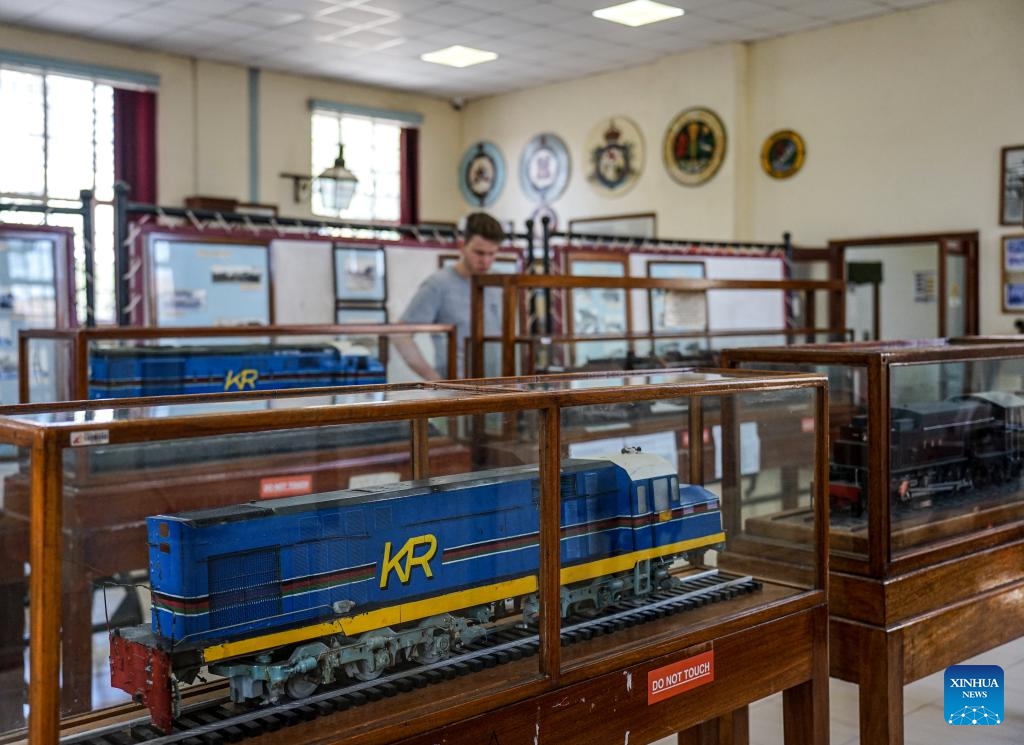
<point x="636" y="225"/>
<point x="208" y="283"/>
<point x="503" y="264"/>
<point x="1011" y="186"/>
<point x="359" y="273"/>
<point x="677" y="310"/>
<point x="598" y="310"/>
<point x="1013" y="273"/>
<point x="360" y="314"/>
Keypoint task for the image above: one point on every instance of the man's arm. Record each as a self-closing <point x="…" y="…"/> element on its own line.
<point x="407" y="347"/>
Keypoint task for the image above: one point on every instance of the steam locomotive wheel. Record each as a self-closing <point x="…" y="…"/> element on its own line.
<point x="303" y="685"/>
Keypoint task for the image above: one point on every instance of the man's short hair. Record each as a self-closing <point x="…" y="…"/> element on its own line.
<point x="485" y="226"/>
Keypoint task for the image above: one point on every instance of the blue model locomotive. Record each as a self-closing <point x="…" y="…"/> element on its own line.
<point x="935" y="448"/>
<point x="167" y="370"/>
<point x="283" y="595"/>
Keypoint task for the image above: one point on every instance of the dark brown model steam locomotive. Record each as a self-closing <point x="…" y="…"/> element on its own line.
<point x="968" y="443"/>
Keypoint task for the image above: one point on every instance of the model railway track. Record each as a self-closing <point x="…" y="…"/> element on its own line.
<point x="216" y="722"/>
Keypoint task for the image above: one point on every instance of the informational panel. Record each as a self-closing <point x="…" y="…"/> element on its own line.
<point x="33" y="274"/>
<point x="598" y="310"/>
<point x="194" y="283"/>
<point x="725" y="309"/>
<point x="303" y="282"/>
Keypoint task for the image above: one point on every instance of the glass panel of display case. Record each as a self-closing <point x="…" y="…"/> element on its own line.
<point x="48" y="370"/>
<point x="15" y="637"/>
<point x="693" y="532"/>
<point x="185" y="365"/>
<point x="286" y="564"/>
<point x="120" y="363"/>
<point x="956" y="454"/>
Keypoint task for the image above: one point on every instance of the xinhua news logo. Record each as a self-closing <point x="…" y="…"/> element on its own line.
<point x="974" y="695"/>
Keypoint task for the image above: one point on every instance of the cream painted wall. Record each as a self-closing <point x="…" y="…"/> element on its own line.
<point x="904" y="117"/>
<point x="222" y="124"/>
<point x="651" y="95"/>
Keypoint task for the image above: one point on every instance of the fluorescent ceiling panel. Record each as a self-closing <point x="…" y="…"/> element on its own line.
<point x="458" y="56"/>
<point x="638" y="13"/>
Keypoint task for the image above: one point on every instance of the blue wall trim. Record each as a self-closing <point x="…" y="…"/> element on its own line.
<point x="64" y="67"/>
<point x="254" y="135"/>
<point x="403" y="117"/>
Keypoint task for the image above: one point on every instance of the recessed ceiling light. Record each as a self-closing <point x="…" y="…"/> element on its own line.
<point x="459" y="56"/>
<point x="638" y="13"/>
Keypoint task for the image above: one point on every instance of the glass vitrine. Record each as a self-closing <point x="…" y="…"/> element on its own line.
<point x="98" y="363"/>
<point x="248" y="556"/>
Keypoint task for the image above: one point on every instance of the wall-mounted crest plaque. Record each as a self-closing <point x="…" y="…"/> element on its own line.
<point x="615" y="149"/>
<point x="544" y="168"/>
<point x="783" y="153"/>
<point x="694" y="146"/>
<point x="481" y="174"/>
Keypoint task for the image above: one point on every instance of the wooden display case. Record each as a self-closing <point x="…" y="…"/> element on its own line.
<point x="743" y="636"/>
<point x="516" y="352"/>
<point x="61" y="364"/>
<point x="926" y="508"/>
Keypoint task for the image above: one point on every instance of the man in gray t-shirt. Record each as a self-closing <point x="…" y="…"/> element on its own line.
<point x="443" y="297"/>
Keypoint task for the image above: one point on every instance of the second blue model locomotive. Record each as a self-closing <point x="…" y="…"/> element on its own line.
<point x="167" y="370"/>
<point x="282" y="595"/>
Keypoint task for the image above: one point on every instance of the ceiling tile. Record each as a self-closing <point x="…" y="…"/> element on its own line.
<point x="452" y="14"/>
<point x="358" y="15"/>
<point x="262" y="15"/>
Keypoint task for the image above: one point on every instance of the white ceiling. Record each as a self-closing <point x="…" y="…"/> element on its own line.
<point x="379" y="42"/>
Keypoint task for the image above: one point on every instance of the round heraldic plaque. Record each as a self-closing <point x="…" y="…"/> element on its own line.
<point x="544" y="168"/>
<point x="782" y="154"/>
<point x="481" y="174"/>
<point x="615" y="149"/>
<point x="694" y="146"/>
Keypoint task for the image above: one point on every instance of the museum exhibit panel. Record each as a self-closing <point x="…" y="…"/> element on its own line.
<point x="36" y="291"/>
<point x="926" y="508"/>
<point x="248" y="560"/>
<point x="129" y="361"/>
<point x="644" y="346"/>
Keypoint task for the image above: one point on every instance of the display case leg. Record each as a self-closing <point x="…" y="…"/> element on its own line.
<point x="730" y="729"/>
<point x="881" y="688"/>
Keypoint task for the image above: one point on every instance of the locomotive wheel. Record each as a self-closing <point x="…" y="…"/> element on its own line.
<point x="303" y="685"/>
<point x="361" y="670"/>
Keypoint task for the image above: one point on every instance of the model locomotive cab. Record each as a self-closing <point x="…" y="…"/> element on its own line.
<point x="283" y="595"/>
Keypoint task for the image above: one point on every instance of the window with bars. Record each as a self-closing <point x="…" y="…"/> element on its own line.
<point x="56" y="139"/>
<point x="372" y="153"/>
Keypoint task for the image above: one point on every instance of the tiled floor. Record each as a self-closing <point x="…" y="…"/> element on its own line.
<point x="922" y="710"/>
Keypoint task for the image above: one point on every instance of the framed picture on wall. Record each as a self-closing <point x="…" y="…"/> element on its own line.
<point x="360" y="273"/>
<point x="636" y="225"/>
<point x="677" y="310"/>
<point x="207" y="282"/>
<point x="1013" y="273"/>
<point x="502" y="264"/>
<point x="1011" y="186"/>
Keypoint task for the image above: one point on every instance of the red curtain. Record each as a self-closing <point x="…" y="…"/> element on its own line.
<point x="135" y="143"/>
<point x="410" y="176"/>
